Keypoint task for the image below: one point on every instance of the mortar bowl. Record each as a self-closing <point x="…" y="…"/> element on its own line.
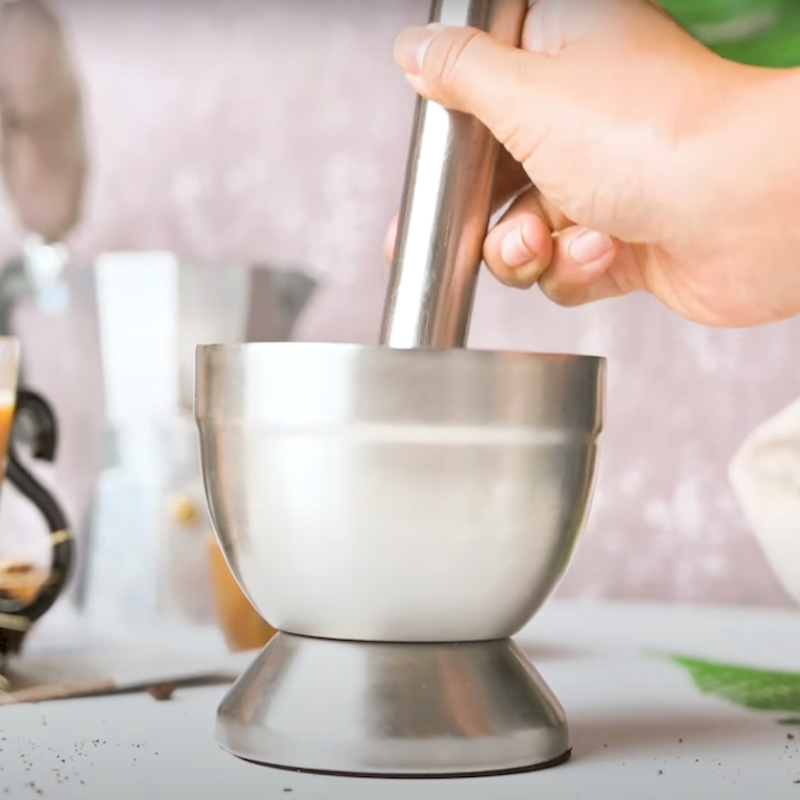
<point x="372" y="494"/>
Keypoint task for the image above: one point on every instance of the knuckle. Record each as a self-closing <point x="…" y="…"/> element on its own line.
<point x="511" y="280"/>
<point x="449" y="58"/>
<point x="559" y="292"/>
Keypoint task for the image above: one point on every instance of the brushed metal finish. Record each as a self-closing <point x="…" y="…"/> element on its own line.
<point x="373" y="494"/>
<point x="393" y="709"/>
<point x="399" y="512"/>
<point x="446" y="205"/>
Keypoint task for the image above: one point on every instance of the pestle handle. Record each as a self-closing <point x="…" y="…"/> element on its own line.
<point x="446" y="205"/>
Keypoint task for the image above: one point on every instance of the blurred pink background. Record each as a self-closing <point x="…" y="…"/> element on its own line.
<point x="277" y="133"/>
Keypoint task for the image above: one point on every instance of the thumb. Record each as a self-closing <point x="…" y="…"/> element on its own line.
<point x="572" y="50"/>
<point x="467" y="70"/>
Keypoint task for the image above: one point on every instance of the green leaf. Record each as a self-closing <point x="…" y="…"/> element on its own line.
<point x="747" y="687"/>
<point x="764" y="33"/>
<point x="716" y="12"/>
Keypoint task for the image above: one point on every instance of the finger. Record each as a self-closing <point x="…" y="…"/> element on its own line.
<point x="521" y="94"/>
<point x="520" y="247"/>
<point x="555" y="218"/>
<point x="467" y="70"/>
<point x="510" y="180"/>
<point x="581" y="268"/>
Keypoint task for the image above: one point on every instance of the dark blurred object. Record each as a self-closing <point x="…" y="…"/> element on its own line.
<point x="277" y="299"/>
<point x="25" y="594"/>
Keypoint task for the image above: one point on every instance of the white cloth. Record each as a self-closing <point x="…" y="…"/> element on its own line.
<point x="765" y="476"/>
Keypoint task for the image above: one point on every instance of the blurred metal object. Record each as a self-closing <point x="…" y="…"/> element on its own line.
<point x="45" y="266"/>
<point x="480" y="708"/>
<point x="446" y="203"/>
<point x="45" y="262"/>
<point x="37" y="274"/>
<point x="281" y="297"/>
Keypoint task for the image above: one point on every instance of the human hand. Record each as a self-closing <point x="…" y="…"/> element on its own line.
<point x="639" y="160"/>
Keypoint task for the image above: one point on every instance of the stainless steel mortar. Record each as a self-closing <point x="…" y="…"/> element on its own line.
<point x="399" y="512"/>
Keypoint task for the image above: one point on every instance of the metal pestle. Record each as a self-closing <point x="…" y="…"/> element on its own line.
<point x="446" y="205"/>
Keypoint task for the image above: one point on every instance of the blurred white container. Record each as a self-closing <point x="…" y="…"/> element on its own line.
<point x="765" y="476"/>
<point x="145" y="550"/>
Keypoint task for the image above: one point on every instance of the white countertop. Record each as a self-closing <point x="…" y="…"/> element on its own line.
<point x="640" y="727"/>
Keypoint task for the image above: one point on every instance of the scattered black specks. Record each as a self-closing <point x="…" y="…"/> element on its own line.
<point x="680" y="741"/>
<point x="790" y="736"/>
<point x="661" y="772"/>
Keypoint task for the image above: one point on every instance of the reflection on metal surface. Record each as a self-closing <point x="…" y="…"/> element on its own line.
<point x="439" y="499"/>
<point x="385" y="709"/>
<point x="446" y="203"/>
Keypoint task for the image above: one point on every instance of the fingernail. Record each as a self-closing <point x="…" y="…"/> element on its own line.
<point x="513" y="250"/>
<point x="590" y="247"/>
<point x="411" y="46"/>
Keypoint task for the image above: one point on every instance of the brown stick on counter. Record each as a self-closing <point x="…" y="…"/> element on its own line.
<point x="38" y="694"/>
